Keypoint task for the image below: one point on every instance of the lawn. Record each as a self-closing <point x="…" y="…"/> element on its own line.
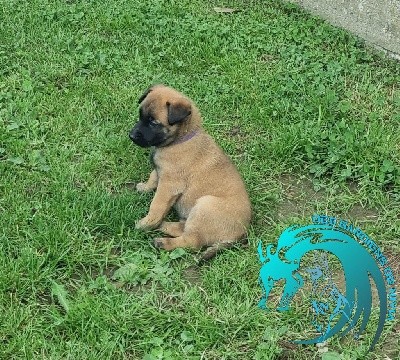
<point x="307" y="112"/>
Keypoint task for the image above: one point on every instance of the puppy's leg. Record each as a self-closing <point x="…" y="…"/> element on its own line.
<point x="150" y="185"/>
<point x="166" y="196"/>
<point x="212" y="222"/>
<point x="184" y="241"/>
<point x="173" y="229"/>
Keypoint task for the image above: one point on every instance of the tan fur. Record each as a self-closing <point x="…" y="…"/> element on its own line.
<point x="197" y="178"/>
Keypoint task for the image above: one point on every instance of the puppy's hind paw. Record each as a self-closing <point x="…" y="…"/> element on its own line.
<point x="142" y="187"/>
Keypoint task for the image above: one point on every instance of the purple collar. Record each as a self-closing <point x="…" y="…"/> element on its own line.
<point x="185" y="137"/>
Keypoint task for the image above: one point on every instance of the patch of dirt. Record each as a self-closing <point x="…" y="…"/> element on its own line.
<point x="116" y="189"/>
<point x="291" y="351"/>
<point x="128" y="186"/>
<point x="267" y="58"/>
<point x="237" y="133"/>
<point x="394" y="263"/>
<point x="298" y="193"/>
<point x="353" y="187"/>
<point x="94" y="272"/>
<point x="192" y="274"/>
<point x="298" y="196"/>
<point x="361" y="214"/>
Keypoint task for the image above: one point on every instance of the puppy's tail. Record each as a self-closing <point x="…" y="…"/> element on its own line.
<point x="213" y="250"/>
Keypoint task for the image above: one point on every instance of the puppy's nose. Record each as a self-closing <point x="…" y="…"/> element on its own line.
<point x="134" y="135"/>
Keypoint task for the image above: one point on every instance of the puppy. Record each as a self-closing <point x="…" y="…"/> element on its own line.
<point x="191" y="173"/>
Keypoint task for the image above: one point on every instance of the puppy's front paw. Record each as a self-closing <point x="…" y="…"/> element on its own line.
<point x="147" y="223"/>
<point x="142" y="187"/>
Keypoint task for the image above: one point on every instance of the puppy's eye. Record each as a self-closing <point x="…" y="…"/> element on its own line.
<point x="151" y="120"/>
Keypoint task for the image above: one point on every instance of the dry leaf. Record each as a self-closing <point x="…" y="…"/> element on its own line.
<point x="223" y="10"/>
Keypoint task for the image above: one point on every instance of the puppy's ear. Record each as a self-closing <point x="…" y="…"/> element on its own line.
<point x="143" y="96"/>
<point x="178" y="111"/>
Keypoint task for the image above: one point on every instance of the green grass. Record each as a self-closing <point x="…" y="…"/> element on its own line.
<point x="281" y="91"/>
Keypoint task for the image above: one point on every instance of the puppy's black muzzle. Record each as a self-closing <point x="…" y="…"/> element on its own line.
<point x="137" y="137"/>
<point x="147" y="135"/>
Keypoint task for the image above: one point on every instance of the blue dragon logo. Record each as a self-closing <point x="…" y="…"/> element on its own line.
<point x="358" y="266"/>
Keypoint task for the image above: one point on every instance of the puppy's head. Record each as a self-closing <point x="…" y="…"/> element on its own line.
<point x="163" y="114"/>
